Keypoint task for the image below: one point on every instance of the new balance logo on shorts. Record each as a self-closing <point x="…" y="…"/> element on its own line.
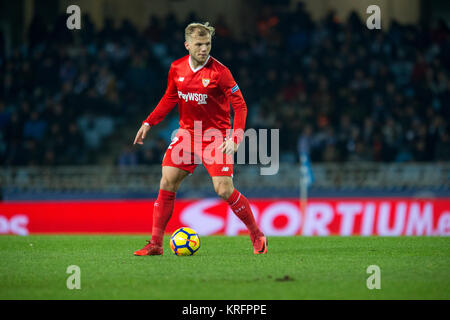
<point x="197" y="97"/>
<point x="225" y="169"/>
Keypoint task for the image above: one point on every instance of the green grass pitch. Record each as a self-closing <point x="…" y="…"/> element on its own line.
<point x="34" y="267"/>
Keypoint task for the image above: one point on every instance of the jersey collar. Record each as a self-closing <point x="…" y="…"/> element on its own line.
<point x="200" y="67"/>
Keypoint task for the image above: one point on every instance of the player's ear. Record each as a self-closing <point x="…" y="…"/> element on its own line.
<point x="186" y="45"/>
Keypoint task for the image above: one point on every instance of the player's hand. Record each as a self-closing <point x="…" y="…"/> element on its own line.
<point x="228" y="146"/>
<point x="140" y="136"/>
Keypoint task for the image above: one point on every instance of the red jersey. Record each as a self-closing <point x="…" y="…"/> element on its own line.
<point x="203" y="94"/>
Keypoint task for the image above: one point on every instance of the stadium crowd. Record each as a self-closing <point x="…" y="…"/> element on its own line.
<point x="335" y="89"/>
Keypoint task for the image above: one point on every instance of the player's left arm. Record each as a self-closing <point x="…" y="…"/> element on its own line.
<point x="234" y="96"/>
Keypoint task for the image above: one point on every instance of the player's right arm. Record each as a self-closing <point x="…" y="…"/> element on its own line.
<point x="167" y="102"/>
<point x="140" y="136"/>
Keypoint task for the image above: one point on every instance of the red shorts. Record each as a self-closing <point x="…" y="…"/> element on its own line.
<point x="186" y="153"/>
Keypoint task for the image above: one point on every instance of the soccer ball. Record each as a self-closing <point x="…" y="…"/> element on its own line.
<point x="184" y="242"/>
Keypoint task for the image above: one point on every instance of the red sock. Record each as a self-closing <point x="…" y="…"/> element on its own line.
<point x="162" y="211"/>
<point x="241" y="208"/>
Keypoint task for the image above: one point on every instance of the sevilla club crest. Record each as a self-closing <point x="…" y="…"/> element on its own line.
<point x="205" y="82"/>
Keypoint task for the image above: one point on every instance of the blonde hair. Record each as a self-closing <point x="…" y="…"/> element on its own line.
<point x="202" y="28"/>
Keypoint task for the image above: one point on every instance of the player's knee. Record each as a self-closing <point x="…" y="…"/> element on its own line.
<point x="168" y="185"/>
<point x="223" y="190"/>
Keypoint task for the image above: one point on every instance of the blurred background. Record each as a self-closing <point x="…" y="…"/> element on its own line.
<point x="371" y="108"/>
